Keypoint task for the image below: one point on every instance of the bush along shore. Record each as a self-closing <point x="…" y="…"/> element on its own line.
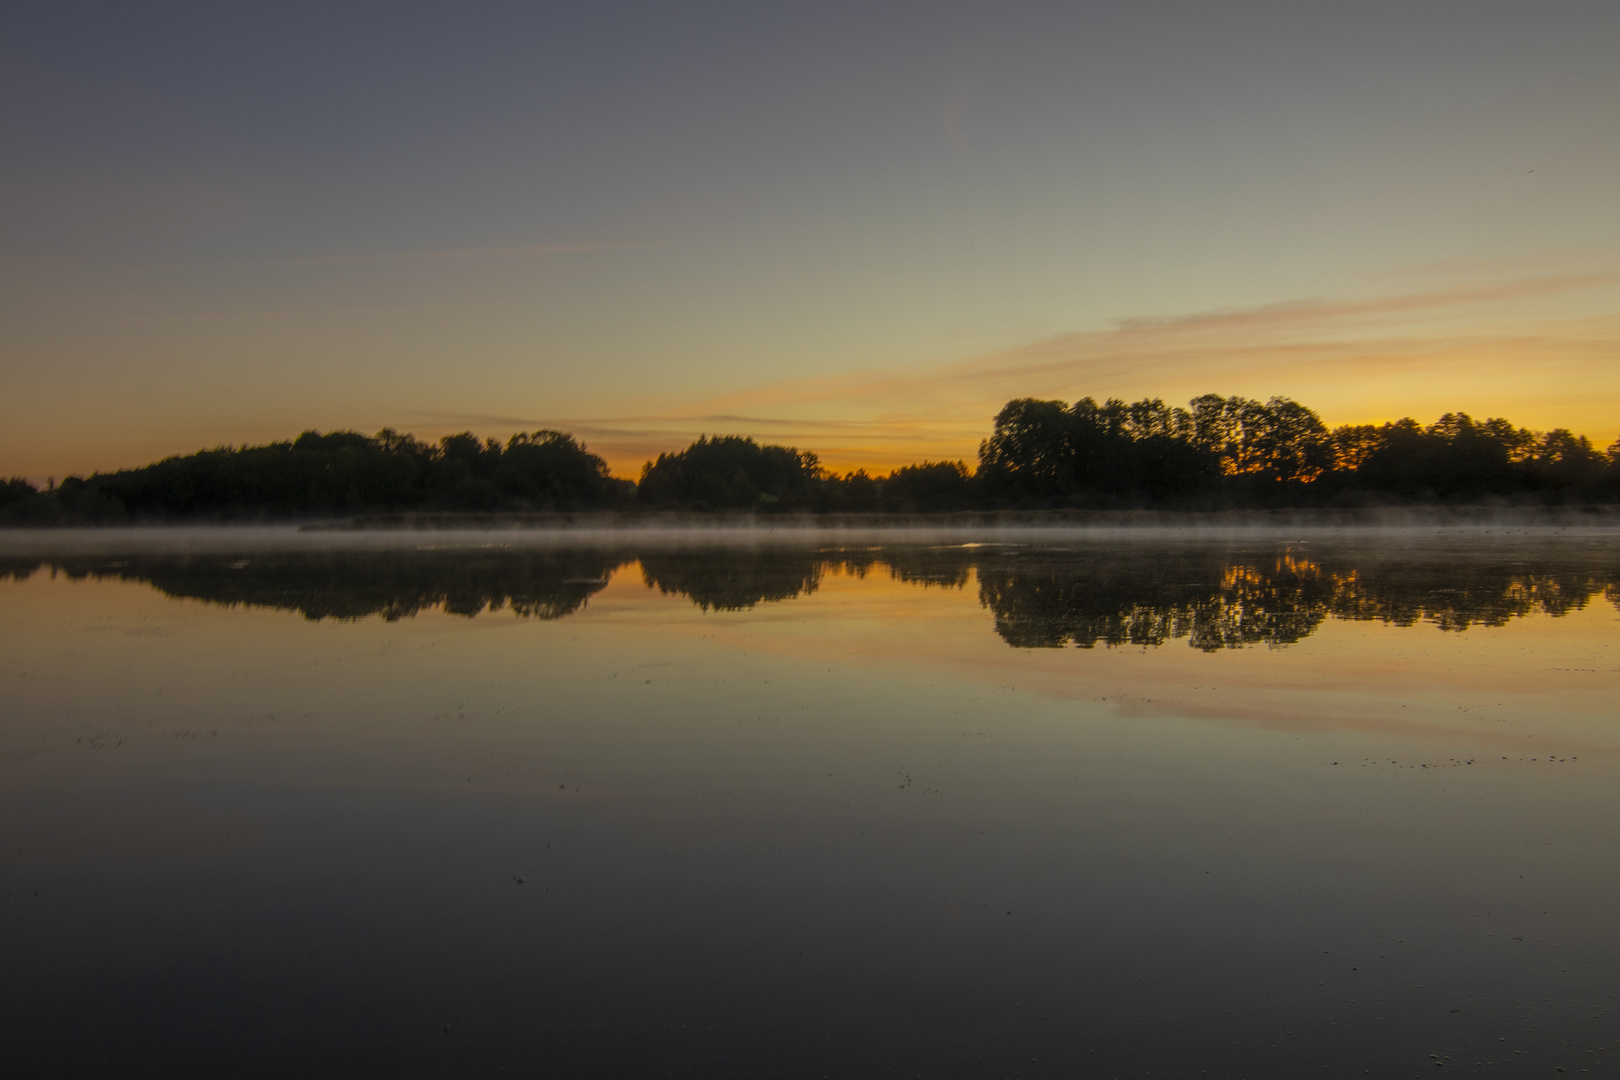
<point x="1057" y="459"/>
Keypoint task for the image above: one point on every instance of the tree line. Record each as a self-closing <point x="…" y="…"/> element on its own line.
<point x="341" y="472"/>
<point x="1217" y="452"/>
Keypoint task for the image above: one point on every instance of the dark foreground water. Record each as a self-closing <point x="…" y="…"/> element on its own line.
<point x="497" y="806"/>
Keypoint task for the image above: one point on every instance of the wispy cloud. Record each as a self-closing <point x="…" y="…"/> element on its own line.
<point x="1476" y="346"/>
<point x="24" y="263"/>
<point x="1210" y="346"/>
<point x="457" y="254"/>
<point x="1322" y="313"/>
<point x="247" y="316"/>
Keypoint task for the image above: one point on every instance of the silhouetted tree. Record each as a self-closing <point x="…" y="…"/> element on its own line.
<point x="1218" y="451"/>
<point x="931" y="486"/>
<point x="1452" y="458"/>
<point x="345" y="472"/>
<point x="730" y="472"/>
<point x="1565" y="461"/>
<point x="549" y="469"/>
<point x="16" y="490"/>
<point x="853" y="491"/>
<point x="1045" y="453"/>
<point x="1029" y="452"/>
<point x="1237" y="451"/>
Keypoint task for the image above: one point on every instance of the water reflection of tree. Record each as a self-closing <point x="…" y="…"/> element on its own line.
<point x="734" y="580"/>
<point x="16" y="568"/>
<point x="738" y="580"/>
<point x="1148" y="601"/>
<point x="1114" y="596"/>
<point x="352" y="585"/>
<point x="943" y="567"/>
<point x="1220" y="602"/>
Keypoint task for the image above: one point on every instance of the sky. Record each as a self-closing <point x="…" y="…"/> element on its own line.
<point x="854" y="228"/>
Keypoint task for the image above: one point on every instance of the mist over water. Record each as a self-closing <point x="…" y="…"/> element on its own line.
<point x="811" y="803"/>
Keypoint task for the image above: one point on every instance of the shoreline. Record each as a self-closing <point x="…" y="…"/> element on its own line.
<point x="1593" y="515"/>
<point x="1399" y="527"/>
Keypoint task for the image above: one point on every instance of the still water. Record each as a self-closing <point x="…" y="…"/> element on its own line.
<point x="278" y="804"/>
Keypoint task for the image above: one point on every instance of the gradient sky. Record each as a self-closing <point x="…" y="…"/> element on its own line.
<point x="859" y="228"/>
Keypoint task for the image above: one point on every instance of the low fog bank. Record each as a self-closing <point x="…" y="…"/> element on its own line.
<point x="419" y="532"/>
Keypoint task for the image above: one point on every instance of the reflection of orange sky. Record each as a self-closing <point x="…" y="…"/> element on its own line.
<point x="640" y="684"/>
<point x="1486" y="690"/>
<point x="1540" y="684"/>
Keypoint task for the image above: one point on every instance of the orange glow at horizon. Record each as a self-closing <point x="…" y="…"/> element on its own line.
<point x="1541" y="352"/>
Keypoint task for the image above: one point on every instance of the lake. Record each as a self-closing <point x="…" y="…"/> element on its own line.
<point x="704" y="803"/>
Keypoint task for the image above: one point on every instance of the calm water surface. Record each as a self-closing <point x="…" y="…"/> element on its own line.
<point x="517" y="807"/>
